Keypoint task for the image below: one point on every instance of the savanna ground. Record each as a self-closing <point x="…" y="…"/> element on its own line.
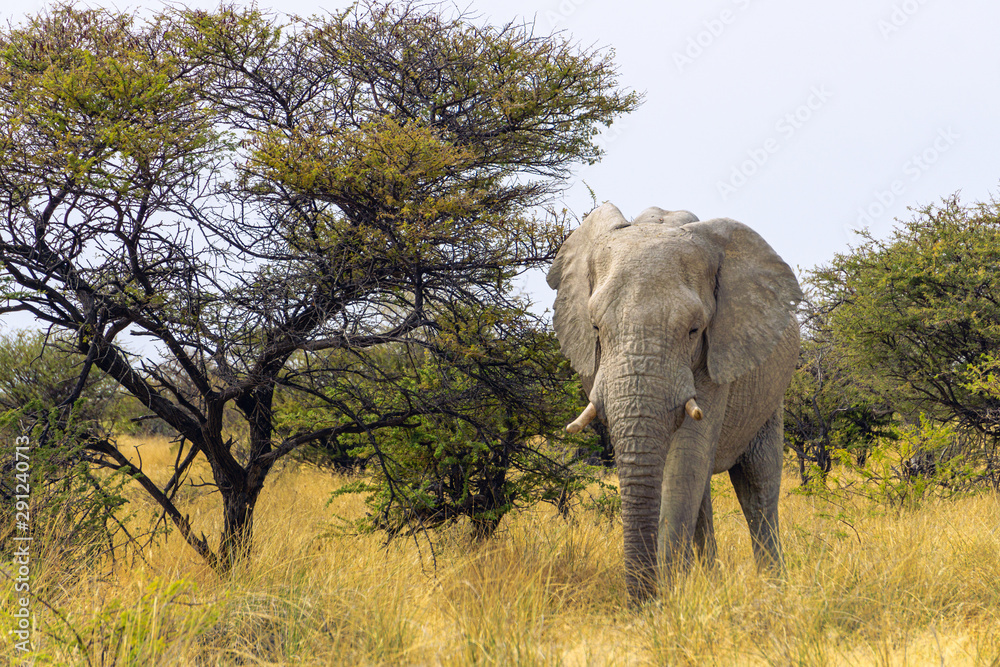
<point x="865" y="585"/>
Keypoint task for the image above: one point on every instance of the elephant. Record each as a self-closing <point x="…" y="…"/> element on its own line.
<point x="684" y="335"/>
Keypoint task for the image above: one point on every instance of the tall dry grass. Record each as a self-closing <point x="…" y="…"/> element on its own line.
<point x="865" y="585"/>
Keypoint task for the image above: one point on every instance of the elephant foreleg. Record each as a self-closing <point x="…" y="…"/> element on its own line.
<point x="704" y="531"/>
<point x="685" y="500"/>
<point x="757" y="480"/>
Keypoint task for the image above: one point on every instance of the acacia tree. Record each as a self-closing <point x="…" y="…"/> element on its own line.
<point x="918" y="315"/>
<point x="828" y="407"/>
<point x="36" y="376"/>
<point x="478" y="457"/>
<point x="247" y="192"/>
<point x="920" y="312"/>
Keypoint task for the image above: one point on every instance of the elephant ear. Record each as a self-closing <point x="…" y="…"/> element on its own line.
<point x="756" y="297"/>
<point x="570" y="276"/>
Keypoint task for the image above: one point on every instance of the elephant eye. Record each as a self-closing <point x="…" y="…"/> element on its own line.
<point x="693" y="332"/>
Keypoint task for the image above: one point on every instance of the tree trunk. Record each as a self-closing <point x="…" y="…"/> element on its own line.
<point x="240" y="487"/>
<point x="803" y="470"/>
<point x="494" y="492"/>
<point x="238" y="504"/>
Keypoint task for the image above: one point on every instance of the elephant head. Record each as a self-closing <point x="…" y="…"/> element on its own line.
<point x="660" y="316"/>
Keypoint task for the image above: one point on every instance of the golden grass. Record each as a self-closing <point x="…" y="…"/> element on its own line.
<point x="865" y="585"/>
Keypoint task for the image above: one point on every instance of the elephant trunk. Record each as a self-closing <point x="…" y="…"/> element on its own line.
<point x="640" y="474"/>
<point x="643" y="411"/>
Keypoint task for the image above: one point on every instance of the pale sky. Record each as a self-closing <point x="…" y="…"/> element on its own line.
<point x="802" y="119"/>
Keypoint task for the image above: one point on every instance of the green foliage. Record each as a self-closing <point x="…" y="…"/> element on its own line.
<point x="606" y="504"/>
<point x="50" y="488"/>
<point x="921" y="461"/>
<point x="918" y="312"/>
<point x="904" y="330"/>
<point x="93" y="99"/>
<point x="65" y="499"/>
<point x="829" y="409"/>
<point x="39" y="373"/>
<point x="490" y="437"/>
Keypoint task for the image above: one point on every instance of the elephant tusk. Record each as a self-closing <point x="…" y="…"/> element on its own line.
<point x="585" y="418"/>
<point x="691" y="407"/>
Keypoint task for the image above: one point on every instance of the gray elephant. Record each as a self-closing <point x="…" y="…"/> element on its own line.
<point x="685" y="338"/>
